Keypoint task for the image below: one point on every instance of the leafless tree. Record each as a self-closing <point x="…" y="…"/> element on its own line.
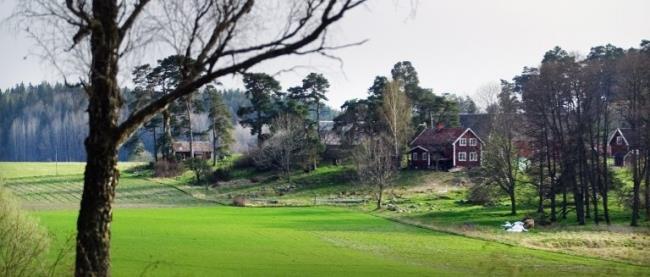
<point x="396" y="111"/>
<point x="220" y="37"/>
<point x="487" y="96"/>
<point x="501" y="159"/>
<point x="374" y="162"/>
<point x="286" y="145"/>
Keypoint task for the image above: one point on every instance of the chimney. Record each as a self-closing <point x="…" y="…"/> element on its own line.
<point x="440" y="126"/>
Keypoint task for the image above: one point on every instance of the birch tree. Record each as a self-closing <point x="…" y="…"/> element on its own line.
<point x="396" y="111"/>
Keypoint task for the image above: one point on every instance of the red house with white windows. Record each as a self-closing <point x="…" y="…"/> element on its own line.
<point x="445" y="148"/>
<point x="620" y="144"/>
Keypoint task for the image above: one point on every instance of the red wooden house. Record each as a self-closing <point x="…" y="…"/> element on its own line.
<point x="444" y="148"/>
<point x="621" y="142"/>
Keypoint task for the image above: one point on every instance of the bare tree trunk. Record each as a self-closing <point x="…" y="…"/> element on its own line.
<point x="167" y="135"/>
<point x="540" y="205"/>
<point x="214" y="146"/>
<point x="551" y="169"/>
<point x="564" y="200"/>
<point x="188" y="105"/>
<point x="155" y="145"/>
<point x="513" y="206"/>
<point x="380" y="194"/>
<point x="318" y="120"/>
<point x="647" y="188"/>
<point x="637" y="186"/>
<point x="101" y="174"/>
<point x="578" y="197"/>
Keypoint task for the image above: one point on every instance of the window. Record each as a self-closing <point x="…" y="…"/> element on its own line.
<point x="425" y="156"/>
<point x="619" y="140"/>
<point x="415" y="156"/>
<point x="473" y="157"/>
<point x="463" y="142"/>
<point x="462" y="156"/>
<point x="472" y="142"/>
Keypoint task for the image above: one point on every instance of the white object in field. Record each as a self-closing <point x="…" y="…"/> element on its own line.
<point x="517" y="227"/>
<point x="508" y="225"/>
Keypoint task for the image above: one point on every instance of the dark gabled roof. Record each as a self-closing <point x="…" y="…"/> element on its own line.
<point x="434" y="139"/>
<point x="198" y="146"/>
<point x="630" y="137"/>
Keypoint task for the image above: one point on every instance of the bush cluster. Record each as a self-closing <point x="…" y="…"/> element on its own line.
<point x="482" y="194"/>
<point x="23" y="243"/>
<point x="166" y="169"/>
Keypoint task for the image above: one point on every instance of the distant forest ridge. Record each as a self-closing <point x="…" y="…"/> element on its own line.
<point x="48" y="122"/>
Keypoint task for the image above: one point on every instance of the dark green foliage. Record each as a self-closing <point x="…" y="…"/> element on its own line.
<point x="311" y="94"/>
<point x="136" y="150"/>
<point x="362" y="117"/>
<point x="220" y="124"/>
<point x="200" y="167"/>
<point x="261" y="89"/>
<point x="222" y="174"/>
<point x="465" y="104"/>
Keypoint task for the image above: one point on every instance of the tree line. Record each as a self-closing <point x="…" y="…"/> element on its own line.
<point x="44" y="122"/>
<point x="560" y="116"/>
<point x="48" y="122"/>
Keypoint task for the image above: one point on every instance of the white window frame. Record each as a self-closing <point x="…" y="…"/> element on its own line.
<point x="473" y="156"/>
<point x="472" y="142"/>
<point x="462" y="156"/>
<point x="462" y="142"/>
<point x="619" y="140"/>
<point x="415" y="156"/>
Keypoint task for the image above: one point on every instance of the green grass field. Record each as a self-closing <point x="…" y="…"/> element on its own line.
<point x="47" y="185"/>
<point x="164" y="227"/>
<point x="225" y="241"/>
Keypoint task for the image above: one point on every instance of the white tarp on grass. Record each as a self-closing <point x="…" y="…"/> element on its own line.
<point x="516" y="227"/>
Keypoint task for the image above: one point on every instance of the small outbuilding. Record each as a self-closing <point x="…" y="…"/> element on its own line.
<point x="200" y="149"/>
<point x="621" y="142"/>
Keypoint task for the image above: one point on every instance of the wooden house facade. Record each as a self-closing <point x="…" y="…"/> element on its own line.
<point x="445" y="148"/>
<point x="200" y="149"/>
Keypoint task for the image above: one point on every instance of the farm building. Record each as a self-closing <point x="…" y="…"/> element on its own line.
<point x="444" y="148"/>
<point x="201" y="149"/>
<point x="620" y="144"/>
<point x="335" y="150"/>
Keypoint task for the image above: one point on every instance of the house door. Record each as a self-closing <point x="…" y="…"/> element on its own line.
<point x="618" y="159"/>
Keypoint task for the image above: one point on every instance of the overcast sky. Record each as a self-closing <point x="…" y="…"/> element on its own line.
<point x="456" y="46"/>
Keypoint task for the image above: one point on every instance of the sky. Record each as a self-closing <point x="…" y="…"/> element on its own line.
<point x="456" y="46"/>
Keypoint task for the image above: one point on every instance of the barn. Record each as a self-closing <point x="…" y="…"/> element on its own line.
<point x="443" y="148"/>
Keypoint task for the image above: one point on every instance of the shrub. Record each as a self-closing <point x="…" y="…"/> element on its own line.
<point x="166" y="169"/>
<point x="244" y="161"/>
<point x="222" y="174"/>
<point x="481" y="194"/>
<point x="23" y="243"/>
<point x="239" y="201"/>
<point x="200" y="167"/>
